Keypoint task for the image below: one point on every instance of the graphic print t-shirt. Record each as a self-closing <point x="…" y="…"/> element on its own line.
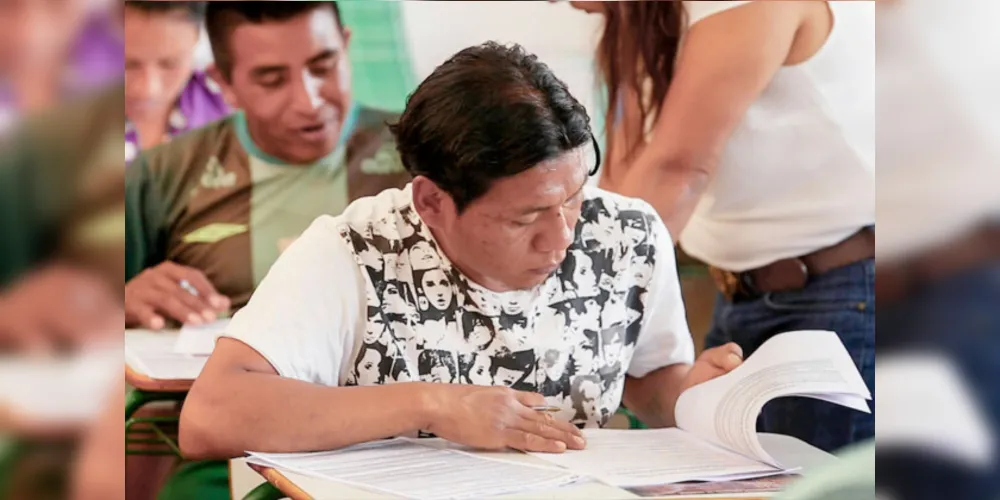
<point x="368" y="298"/>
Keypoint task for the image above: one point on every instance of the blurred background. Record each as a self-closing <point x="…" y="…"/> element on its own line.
<point x="62" y="215"/>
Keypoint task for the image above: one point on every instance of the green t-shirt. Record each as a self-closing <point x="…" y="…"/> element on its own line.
<point x="211" y="200"/>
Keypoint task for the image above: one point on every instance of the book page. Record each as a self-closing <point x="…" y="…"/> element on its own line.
<point x="151" y="353"/>
<point x="199" y="340"/>
<point x="404" y="468"/>
<point x="805" y="363"/>
<point x="644" y="457"/>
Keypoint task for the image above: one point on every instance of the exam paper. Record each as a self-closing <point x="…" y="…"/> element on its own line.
<point x="151" y="353"/>
<point x="629" y="458"/>
<point x="811" y="364"/>
<point x="403" y="467"/>
<point x="200" y="340"/>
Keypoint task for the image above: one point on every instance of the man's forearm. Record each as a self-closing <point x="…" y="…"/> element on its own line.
<point x="229" y="414"/>
<point x="672" y="186"/>
<point x="652" y="398"/>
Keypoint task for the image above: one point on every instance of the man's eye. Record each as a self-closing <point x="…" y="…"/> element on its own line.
<point x="272" y="83"/>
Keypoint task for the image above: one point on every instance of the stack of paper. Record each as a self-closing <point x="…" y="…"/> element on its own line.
<point x="153" y="354"/>
<point x="627" y="458"/>
<point x="405" y="468"/>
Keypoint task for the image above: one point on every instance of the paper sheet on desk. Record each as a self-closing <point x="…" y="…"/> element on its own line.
<point x="628" y="458"/>
<point x="199" y="340"/>
<point x="405" y="468"/>
<point x="152" y="354"/>
<point x="69" y="389"/>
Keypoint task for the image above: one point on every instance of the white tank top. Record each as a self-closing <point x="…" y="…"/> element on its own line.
<point x="798" y="174"/>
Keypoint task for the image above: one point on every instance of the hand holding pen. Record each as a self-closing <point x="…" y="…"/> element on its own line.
<point x="172" y="291"/>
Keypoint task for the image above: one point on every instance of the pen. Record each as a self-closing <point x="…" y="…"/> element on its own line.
<point x="547" y="408"/>
<point x="188" y="287"/>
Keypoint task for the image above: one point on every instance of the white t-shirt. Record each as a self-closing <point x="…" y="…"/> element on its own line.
<point x="798" y="173"/>
<point x="367" y="298"/>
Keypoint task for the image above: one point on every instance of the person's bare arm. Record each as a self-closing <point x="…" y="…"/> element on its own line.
<point x="724" y="64"/>
<point x="240" y="403"/>
<point x="623" y="130"/>
<point x="653" y="397"/>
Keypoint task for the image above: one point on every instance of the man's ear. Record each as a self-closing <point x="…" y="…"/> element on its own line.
<point x="222" y="81"/>
<point x="346" y="32"/>
<point x="433" y="204"/>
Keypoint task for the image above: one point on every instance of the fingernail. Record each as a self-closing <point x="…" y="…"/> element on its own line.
<point x="218" y="301"/>
<point x="208" y="315"/>
<point x="579" y="441"/>
<point x="194" y="319"/>
<point x="561" y="445"/>
<point x="734" y="359"/>
<point x="156" y="323"/>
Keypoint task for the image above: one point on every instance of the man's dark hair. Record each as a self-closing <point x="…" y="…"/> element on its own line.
<point x="223" y="17"/>
<point x="195" y="11"/>
<point x="489" y="112"/>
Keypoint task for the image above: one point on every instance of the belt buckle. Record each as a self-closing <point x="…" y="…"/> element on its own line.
<point x="726" y="281"/>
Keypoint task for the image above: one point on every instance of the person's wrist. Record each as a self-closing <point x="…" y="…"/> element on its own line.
<point x="430" y="404"/>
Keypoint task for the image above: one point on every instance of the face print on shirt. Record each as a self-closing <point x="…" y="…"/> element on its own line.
<point x="438" y="366"/>
<point x="473" y="368"/>
<point x="570" y="338"/>
<point x="435" y="286"/>
<point x="423" y="256"/>
<point x="634" y="225"/>
<point x="373" y="357"/>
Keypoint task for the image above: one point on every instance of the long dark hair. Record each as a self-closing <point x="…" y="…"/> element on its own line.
<point x="640" y="43"/>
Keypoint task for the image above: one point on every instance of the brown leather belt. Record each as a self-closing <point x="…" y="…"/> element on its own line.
<point x="896" y="280"/>
<point x="794" y="273"/>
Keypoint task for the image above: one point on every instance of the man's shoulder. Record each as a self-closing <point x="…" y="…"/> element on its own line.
<point x="192" y="149"/>
<point x="596" y="198"/>
<point x="620" y="226"/>
<point x="369" y="210"/>
<point x="599" y="205"/>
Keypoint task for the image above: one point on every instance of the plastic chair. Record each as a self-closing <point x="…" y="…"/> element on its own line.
<point x="150" y="435"/>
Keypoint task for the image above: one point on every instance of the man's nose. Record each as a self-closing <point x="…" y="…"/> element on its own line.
<point x="144" y="85"/>
<point x="557" y="235"/>
<point x="307" y="96"/>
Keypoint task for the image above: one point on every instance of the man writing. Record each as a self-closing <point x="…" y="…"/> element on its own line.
<point x="206" y="213"/>
<point x="499" y="153"/>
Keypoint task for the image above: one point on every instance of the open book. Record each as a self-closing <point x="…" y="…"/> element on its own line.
<point x="716" y="436"/>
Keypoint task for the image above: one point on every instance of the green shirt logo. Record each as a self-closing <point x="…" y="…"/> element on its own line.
<point x="216" y="177"/>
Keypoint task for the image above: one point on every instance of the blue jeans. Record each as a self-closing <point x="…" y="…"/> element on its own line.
<point x="843" y="301"/>
<point x="960" y="318"/>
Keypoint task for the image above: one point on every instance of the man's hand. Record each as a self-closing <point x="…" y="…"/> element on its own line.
<point x="173" y="291"/>
<point x="496" y="418"/>
<point x="55" y="307"/>
<point x="713" y="363"/>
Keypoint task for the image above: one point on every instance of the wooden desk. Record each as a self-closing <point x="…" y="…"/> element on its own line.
<point x="298" y="486"/>
<point x="143" y="382"/>
<point x="302" y="487"/>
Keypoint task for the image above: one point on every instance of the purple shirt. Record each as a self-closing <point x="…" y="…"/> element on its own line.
<point x="200" y="103"/>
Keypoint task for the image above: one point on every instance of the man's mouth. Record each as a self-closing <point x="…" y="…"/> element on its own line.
<point x="317" y="132"/>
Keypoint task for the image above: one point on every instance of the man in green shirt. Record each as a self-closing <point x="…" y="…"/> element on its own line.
<point x="207" y="213"/>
